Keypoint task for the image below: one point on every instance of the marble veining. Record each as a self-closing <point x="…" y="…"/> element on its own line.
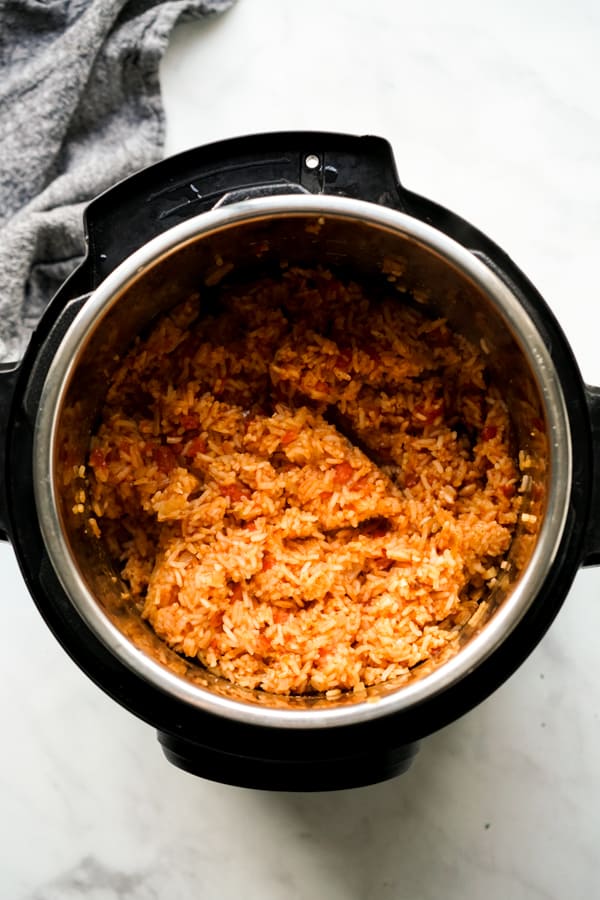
<point x="92" y="879"/>
<point x="492" y="110"/>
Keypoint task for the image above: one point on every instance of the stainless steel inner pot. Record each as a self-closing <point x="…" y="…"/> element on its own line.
<point x="361" y="239"/>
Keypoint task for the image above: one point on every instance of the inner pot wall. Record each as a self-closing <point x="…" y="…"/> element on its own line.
<point x="352" y="246"/>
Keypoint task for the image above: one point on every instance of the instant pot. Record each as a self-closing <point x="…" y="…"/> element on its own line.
<point x="209" y="215"/>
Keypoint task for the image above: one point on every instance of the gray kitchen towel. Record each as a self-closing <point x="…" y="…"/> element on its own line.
<point x="80" y="108"/>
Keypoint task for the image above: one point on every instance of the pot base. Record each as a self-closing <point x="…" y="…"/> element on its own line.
<point x="330" y="774"/>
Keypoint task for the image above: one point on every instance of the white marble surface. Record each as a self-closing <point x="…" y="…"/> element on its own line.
<point x="492" y="109"/>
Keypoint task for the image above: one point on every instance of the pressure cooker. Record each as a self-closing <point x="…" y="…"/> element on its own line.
<point x="308" y="198"/>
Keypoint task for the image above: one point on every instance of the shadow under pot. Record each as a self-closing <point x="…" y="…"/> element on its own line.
<point x="424" y="259"/>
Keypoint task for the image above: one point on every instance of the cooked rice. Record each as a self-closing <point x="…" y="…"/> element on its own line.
<point x="311" y="489"/>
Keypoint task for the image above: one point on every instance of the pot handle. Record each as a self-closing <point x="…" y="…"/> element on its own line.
<point x="591" y="549"/>
<point x="8" y="378"/>
<point x="182" y="186"/>
<point x="46" y="339"/>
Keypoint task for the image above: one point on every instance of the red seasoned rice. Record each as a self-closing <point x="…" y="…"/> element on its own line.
<point x="309" y="490"/>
